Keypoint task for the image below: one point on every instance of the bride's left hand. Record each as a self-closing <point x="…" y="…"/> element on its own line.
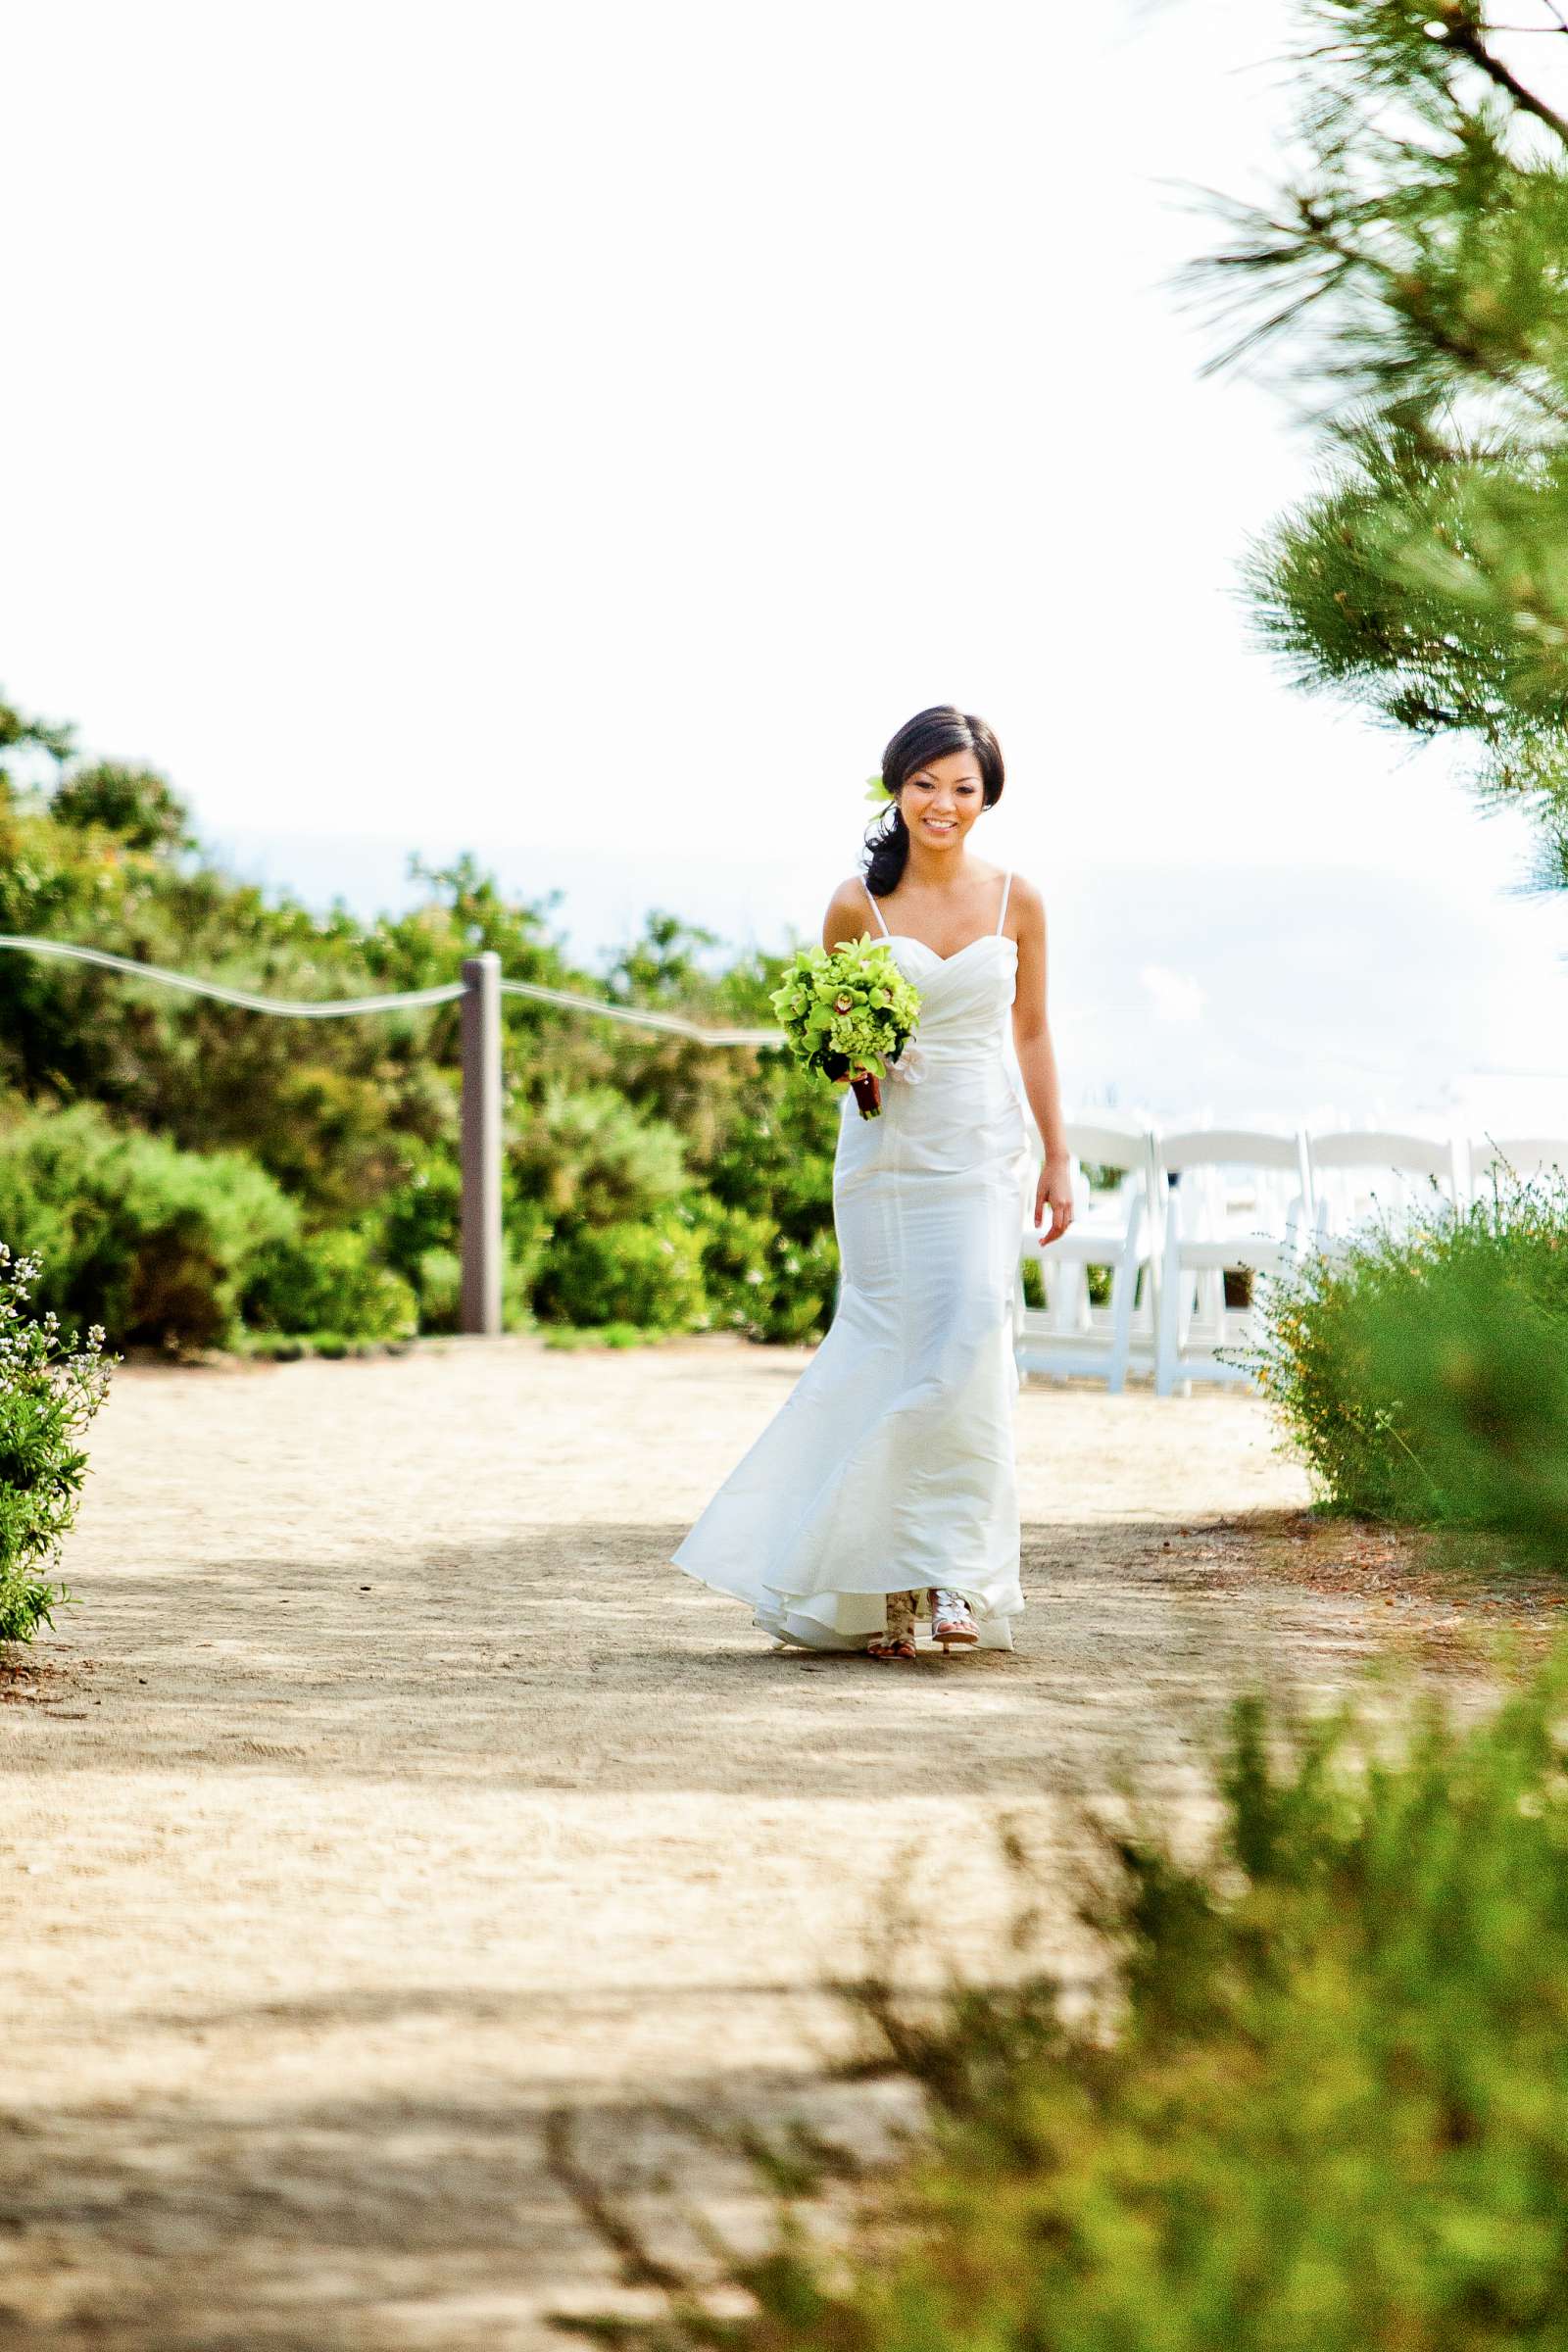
<point x="1055" y="1187"/>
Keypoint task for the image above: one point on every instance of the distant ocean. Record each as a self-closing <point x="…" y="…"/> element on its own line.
<point x="1319" y="992"/>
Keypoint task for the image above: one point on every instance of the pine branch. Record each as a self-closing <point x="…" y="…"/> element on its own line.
<point x="1468" y="41"/>
<point x="1419" y="261"/>
<point x="1313" y="231"/>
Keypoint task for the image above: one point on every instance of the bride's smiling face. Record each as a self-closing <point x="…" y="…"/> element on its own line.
<point x="941" y="801"/>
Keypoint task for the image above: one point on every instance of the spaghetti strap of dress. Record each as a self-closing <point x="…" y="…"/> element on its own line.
<point x="875" y="908"/>
<point x="1006" y="887"/>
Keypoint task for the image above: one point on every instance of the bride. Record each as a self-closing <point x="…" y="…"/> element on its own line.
<point x="884" y="1489"/>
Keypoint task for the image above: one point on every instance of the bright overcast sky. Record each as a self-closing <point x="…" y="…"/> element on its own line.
<point x="597" y="430"/>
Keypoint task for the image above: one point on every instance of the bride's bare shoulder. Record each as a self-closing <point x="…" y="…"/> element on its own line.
<point x="1026" y="913"/>
<point x="847" y="913"/>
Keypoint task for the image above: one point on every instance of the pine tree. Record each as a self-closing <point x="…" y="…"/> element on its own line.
<point x="1413" y="274"/>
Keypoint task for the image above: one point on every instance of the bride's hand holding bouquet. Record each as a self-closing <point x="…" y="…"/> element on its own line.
<point x="850" y="1012"/>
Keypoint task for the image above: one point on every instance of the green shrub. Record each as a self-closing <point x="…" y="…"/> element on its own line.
<point x="805" y="1287"/>
<point x="330" y="1282"/>
<point x="627" y="1272"/>
<point x="1322" y="2105"/>
<point x="422" y="1215"/>
<point x="585" y="1156"/>
<point x="49" y="1391"/>
<point x="775" y="1161"/>
<point x="438" y="1276"/>
<point x="356" y="1120"/>
<point x="526" y="1240"/>
<point x="600" y="1335"/>
<point x="759" y="1279"/>
<point x="278" y="1347"/>
<point x="438" y="1287"/>
<point x="135" y="803"/>
<point x="1421" y="1368"/>
<point x="739" y="1248"/>
<point x="150" y="1242"/>
<point x="272" y="1348"/>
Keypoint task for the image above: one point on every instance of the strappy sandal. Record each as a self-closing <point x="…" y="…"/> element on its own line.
<point x="951" y="1620"/>
<point x="899" y="1640"/>
<point x="891" y="1645"/>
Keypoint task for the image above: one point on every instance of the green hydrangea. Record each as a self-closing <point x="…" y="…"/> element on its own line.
<point x="847" y="1007"/>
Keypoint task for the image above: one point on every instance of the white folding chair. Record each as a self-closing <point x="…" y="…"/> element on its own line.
<point x="1115" y="1228"/>
<point x="1211" y="1226"/>
<point x="1412" y="1170"/>
<point x="1526" y="1155"/>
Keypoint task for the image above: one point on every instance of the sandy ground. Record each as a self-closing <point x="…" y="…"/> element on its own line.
<point x="390" y="1790"/>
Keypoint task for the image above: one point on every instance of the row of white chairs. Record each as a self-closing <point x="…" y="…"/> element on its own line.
<point x="1196" y="1203"/>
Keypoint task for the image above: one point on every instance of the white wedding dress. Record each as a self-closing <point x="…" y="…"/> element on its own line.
<point x="890" y="1466"/>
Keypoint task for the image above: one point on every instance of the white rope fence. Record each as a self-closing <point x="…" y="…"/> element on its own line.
<point x="332" y="1008"/>
<point x="479" y="992"/>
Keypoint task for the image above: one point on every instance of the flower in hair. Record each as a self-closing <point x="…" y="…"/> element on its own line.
<point x="876" y="789"/>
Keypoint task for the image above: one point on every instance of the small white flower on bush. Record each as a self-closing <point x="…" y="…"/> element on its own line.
<point x="48" y="1393"/>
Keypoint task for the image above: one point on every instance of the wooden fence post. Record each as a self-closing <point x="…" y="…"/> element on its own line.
<point x="480" y="1012"/>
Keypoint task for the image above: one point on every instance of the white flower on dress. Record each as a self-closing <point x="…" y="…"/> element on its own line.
<point x="910" y="1066"/>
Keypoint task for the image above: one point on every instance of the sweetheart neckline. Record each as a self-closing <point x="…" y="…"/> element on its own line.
<point x="957" y="952"/>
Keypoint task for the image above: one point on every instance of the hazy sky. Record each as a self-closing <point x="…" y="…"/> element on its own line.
<point x="592" y="432"/>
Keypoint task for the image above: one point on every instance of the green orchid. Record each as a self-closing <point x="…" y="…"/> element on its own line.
<point x="849" y="1008"/>
<point x="876" y="789"/>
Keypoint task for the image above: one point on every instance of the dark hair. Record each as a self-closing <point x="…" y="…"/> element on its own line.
<point x="929" y="735"/>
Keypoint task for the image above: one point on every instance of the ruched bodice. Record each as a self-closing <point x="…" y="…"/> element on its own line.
<point x="963" y="998"/>
<point x="963" y="1107"/>
<point x="890" y="1466"/>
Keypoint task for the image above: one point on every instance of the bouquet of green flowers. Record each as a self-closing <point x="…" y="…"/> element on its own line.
<point x="849" y="1009"/>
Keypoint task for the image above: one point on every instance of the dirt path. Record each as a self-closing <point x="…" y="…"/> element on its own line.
<point x="390" y="1787"/>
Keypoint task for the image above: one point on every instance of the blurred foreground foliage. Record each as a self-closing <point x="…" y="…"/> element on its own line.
<point x="1320" y="2103"/>
<point x="190" y="1171"/>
